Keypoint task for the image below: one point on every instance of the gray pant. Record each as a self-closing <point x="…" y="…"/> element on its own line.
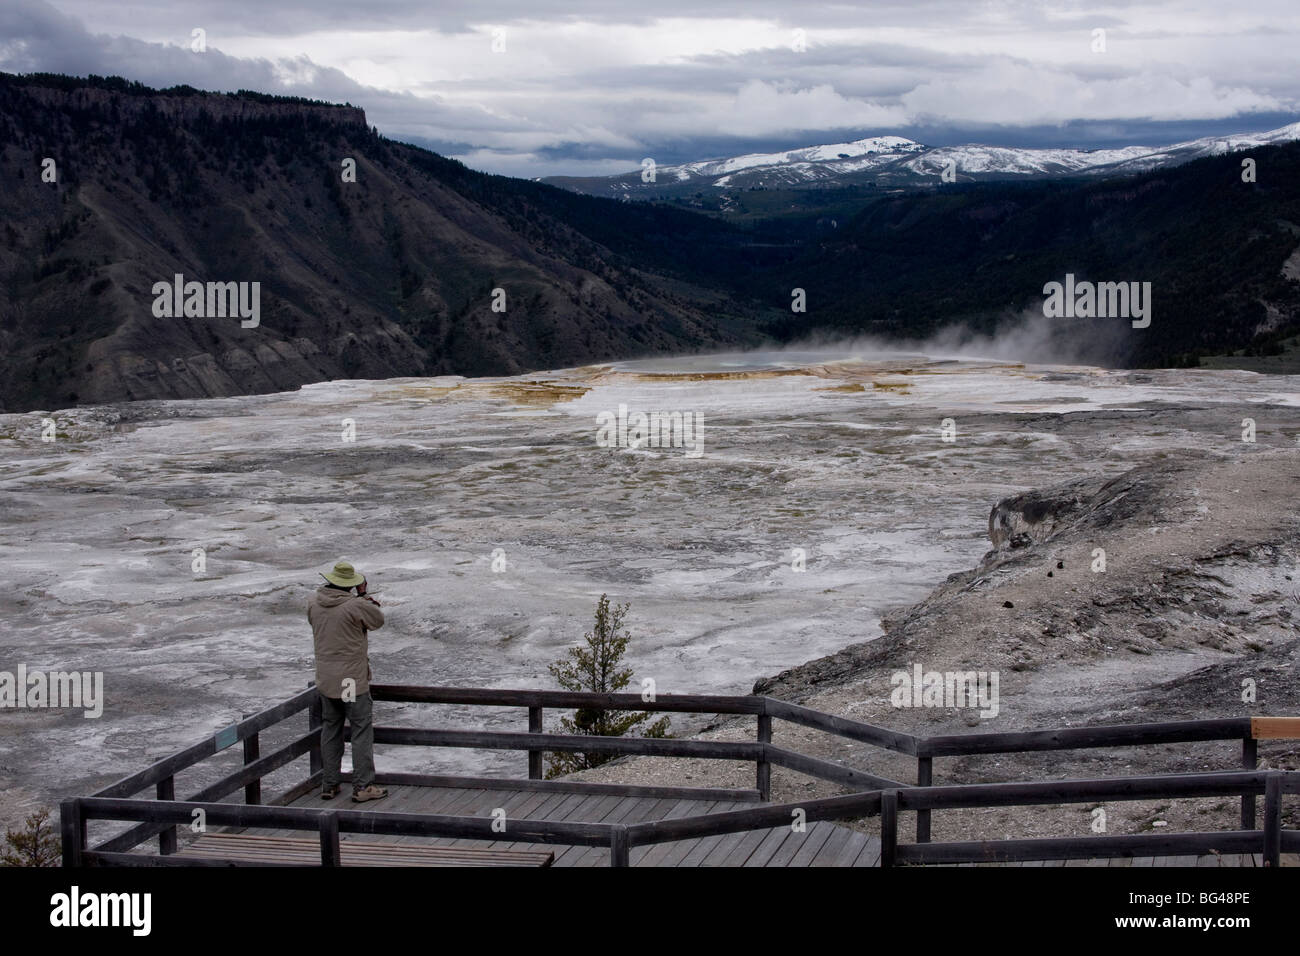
<point x="333" y="710"/>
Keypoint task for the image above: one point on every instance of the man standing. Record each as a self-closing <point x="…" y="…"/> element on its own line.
<point x="339" y="622"/>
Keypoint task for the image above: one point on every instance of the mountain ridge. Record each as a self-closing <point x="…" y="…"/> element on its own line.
<point x="398" y="272"/>
<point x="392" y="274"/>
<point x="898" y="162"/>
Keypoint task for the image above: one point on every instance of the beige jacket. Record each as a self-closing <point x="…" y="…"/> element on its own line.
<point x="339" y="621"/>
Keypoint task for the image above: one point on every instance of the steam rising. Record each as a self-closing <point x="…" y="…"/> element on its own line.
<point x="1028" y="337"/>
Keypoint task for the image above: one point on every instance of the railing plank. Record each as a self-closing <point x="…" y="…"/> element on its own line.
<point x="215" y="791"/>
<point x="72" y="830"/>
<point x="842" y="726"/>
<point x="498" y="740"/>
<point x="703" y="794"/>
<point x="1275" y="728"/>
<point x="889" y="828"/>
<point x="1249" y="761"/>
<point x="169" y="766"/>
<point x="350" y="821"/>
<point x="826" y="770"/>
<point x="1077" y="738"/>
<point x="315" y="720"/>
<point x="924" y="777"/>
<point x="763" y="769"/>
<point x="618" y="848"/>
<point x="102" y="858"/>
<point x="679" y="703"/>
<point x="330" y="853"/>
<point x="1081" y="848"/>
<point x="1273" y="819"/>
<point x="252" y="753"/>
<point x="1031" y="793"/>
<point x="535" y="726"/>
<point x="759" y="818"/>
<point x="166" y="790"/>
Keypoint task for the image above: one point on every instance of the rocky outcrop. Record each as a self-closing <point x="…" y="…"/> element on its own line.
<point x="1038" y="515"/>
<point x="1166" y="593"/>
<point x="1179" y="556"/>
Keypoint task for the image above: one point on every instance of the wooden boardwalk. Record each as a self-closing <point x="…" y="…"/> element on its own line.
<point x="621" y="822"/>
<point x="820" y="844"/>
<point x="1208" y="860"/>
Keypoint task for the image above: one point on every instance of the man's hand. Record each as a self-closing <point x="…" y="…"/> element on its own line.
<point x="361" y="592"/>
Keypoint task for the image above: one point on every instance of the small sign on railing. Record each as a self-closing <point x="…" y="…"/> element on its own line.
<point x="227" y="737"/>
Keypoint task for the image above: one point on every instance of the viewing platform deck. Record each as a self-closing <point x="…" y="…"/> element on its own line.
<point x="820" y="844"/>
<point x="439" y="820"/>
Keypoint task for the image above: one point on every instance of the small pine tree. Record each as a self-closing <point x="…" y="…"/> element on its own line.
<point x="593" y="666"/>
<point x="34" y="845"/>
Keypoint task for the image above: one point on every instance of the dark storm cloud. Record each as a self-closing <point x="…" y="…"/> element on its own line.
<point x="36" y="37"/>
<point x="594" y="86"/>
<point x="288" y="18"/>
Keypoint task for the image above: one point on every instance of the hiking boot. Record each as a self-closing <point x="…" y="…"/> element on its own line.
<point x="329" y="792"/>
<point x="368" y="793"/>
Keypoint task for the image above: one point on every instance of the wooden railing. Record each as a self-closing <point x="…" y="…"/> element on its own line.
<point x="875" y="795"/>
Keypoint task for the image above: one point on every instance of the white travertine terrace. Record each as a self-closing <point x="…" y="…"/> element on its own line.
<point x="834" y="452"/>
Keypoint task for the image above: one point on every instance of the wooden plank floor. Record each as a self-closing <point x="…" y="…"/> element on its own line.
<point x="821" y="844"/>
<point x="305" y="851"/>
<point x="1208" y="860"/>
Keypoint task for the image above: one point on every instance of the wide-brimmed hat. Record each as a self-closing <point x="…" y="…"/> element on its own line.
<point x="344" y="575"/>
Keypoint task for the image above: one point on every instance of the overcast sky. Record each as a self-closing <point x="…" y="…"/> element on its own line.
<point x="592" y="87"/>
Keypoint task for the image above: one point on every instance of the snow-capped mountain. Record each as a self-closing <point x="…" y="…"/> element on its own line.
<point x="900" y="162"/>
<point x="974" y="161"/>
<point x="799" y="165"/>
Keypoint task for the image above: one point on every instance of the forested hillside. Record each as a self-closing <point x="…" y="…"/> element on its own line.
<point x="392" y="274"/>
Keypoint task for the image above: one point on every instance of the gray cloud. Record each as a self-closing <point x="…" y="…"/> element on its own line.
<point x="593" y="87"/>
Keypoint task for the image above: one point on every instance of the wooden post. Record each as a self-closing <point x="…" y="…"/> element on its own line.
<point x="535" y="756"/>
<point x="1273" y="819"/>
<point x="618" y="849"/>
<point x="924" y="777"/>
<point x="315" y="718"/>
<point x="166" y="790"/>
<point x="72" y="829"/>
<point x="330" y="854"/>
<point x="888" y="827"/>
<point x="1249" y="761"/>
<point x="252" y="751"/>
<point x="763" y="772"/>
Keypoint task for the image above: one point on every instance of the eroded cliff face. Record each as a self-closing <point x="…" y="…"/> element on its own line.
<point x="388" y="267"/>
